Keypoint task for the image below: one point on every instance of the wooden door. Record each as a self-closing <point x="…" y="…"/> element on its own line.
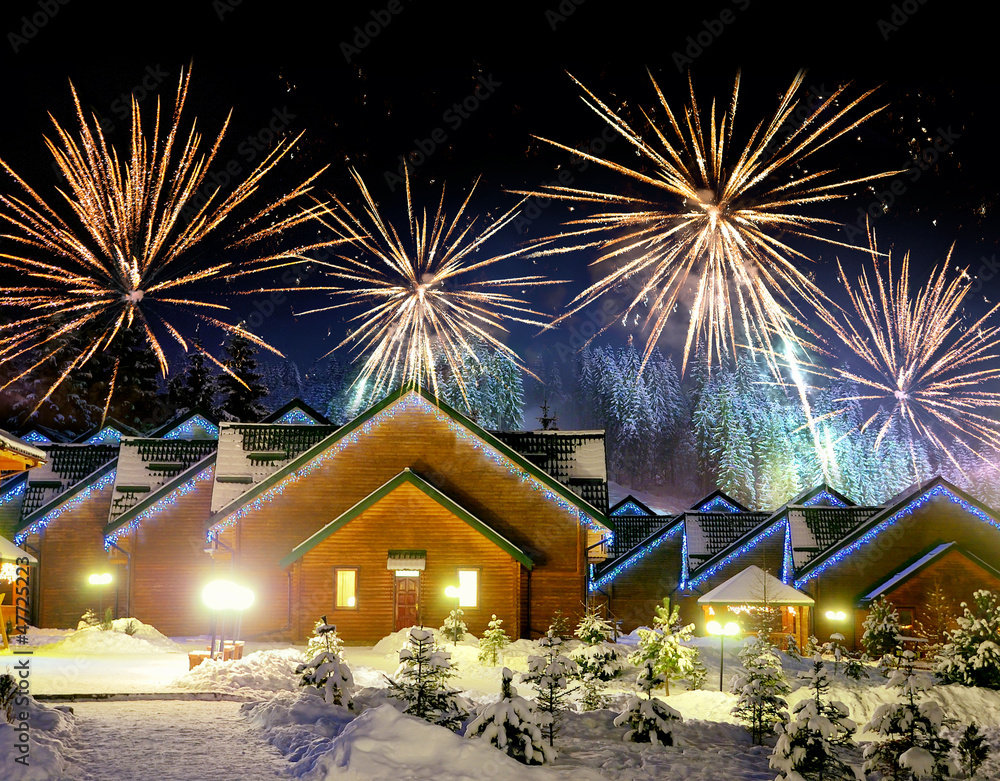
<point x="406" y="600"/>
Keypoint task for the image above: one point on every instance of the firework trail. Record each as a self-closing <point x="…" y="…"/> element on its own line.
<point x="916" y="361"/>
<point x="418" y="304"/>
<point x="713" y="220"/>
<point x="120" y="247"/>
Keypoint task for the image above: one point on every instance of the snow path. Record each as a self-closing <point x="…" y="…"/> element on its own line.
<point x="168" y="741"/>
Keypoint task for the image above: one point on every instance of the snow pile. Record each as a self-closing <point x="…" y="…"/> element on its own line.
<point x="263" y="671"/>
<point x="144" y="639"/>
<point x="49" y="730"/>
<point x="146" y="632"/>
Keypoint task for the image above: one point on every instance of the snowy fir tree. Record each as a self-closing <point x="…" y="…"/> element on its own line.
<point x="492" y="643"/>
<point x="559" y="626"/>
<point x="136" y="398"/>
<point x="881" y="636"/>
<point x="549" y="672"/>
<point x="598" y="660"/>
<point x="759" y="689"/>
<point x="326" y="671"/>
<point x="89" y="618"/>
<point x="512" y="725"/>
<point x="240" y="387"/>
<point x="195" y="386"/>
<point x="648" y="719"/>
<point x="455" y="627"/>
<point x="909" y="743"/>
<point x="663" y="645"/>
<point x="421" y="680"/>
<point x="808" y="742"/>
<point x="937" y="616"/>
<point x="971" y="656"/>
<point x="491" y="392"/>
<point x="793" y="649"/>
<point x="972" y="750"/>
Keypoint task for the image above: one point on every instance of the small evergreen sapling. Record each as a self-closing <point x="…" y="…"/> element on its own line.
<point x="836" y="649"/>
<point x="559" y="626"/>
<point x="972" y="750"/>
<point x="649" y="720"/>
<point x="598" y="660"/>
<point x="549" y="673"/>
<point x="512" y="725"/>
<point x="971" y="656"/>
<point x="807" y="744"/>
<point x="326" y="670"/>
<point x="909" y="732"/>
<point x="89" y="618"/>
<point x="760" y="689"/>
<point x="421" y="681"/>
<point x="492" y="643"/>
<point x="454" y="626"/>
<point x="881" y="638"/>
<point x="664" y="646"/>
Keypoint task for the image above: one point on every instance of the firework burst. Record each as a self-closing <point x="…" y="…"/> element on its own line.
<point x="421" y="307"/>
<point x="918" y="360"/>
<point x="713" y="221"/>
<point x="122" y="250"/>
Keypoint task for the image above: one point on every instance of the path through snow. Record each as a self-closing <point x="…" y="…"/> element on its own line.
<point x="169" y="741"/>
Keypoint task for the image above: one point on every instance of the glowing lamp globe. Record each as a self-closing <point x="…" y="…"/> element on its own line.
<point x="100" y="579"/>
<point x="453" y="591"/>
<point x="838" y="615"/>
<point x="226" y="595"/>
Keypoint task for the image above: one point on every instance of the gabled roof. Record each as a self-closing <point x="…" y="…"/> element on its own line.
<point x="928" y="558"/>
<point x="67" y="466"/>
<point x="149" y="503"/>
<point x="297" y="411"/>
<point x="342" y="437"/>
<point x="631" y="530"/>
<point x="816" y="529"/>
<point x="717" y="501"/>
<point x="821" y="494"/>
<point x="192" y="424"/>
<point x="709" y="534"/>
<point x="145" y="465"/>
<point x="754" y="586"/>
<point x="66" y="499"/>
<point x="609" y="570"/>
<point x="630" y="506"/>
<point x="110" y="431"/>
<point x="903" y="505"/>
<point x="406" y="477"/>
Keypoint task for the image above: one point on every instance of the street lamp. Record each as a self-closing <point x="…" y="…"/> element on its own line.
<point x="715" y="628"/>
<point x="838" y="615"/>
<point x="454" y="592"/>
<point x="222" y="595"/>
<point x="100" y="579"/>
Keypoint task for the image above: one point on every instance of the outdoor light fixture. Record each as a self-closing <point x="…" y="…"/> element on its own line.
<point x="222" y="595"/>
<point x="100" y="579"/>
<point x="838" y="615"/>
<point x="715" y="628"/>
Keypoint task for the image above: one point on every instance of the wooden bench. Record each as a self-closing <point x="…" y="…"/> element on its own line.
<point x="231" y="652"/>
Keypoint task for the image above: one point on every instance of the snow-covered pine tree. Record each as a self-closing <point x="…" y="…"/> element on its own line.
<point x="971" y="656"/>
<point x="760" y="689"/>
<point x="511" y="724"/>
<point x="881" y="637"/>
<point x="972" y="750"/>
<point x="664" y="646"/>
<point x="323" y="638"/>
<point x="421" y="681"/>
<point x="806" y="749"/>
<point x="598" y="660"/>
<point x="454" y="626"/>
<point x="549" y="672"/>
<point x="649" y="720"/>
<point x="492" y="643"/>
<point x="559" y="626"/>
<point x="329" y="674"/>
<point x="242" y="393"/>
<point x="909" y="743"/>
<point x="793" y="648"/>
<point x="195" y="386"/>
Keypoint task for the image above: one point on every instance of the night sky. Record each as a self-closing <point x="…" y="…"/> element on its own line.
<point x="374" y="84"/>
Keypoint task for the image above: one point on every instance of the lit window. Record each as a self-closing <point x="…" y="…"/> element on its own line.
<point x="468" y="588"/>
<point x="345" y="594"/>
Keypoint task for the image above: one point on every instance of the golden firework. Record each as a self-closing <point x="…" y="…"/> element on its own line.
<point x="119" y="252"/>
<point x="714" y="221"/>
<point x="916" y="357"/>
<point x="421" y="303"/>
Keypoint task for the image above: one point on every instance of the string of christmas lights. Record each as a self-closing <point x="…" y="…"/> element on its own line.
<point x="639" y="554"/>
<point x="67" y="506"/>
<point x="167" y="501"/>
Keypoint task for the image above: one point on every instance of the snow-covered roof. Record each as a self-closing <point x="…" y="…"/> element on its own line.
<point x="21" y="451"/>
<point x="66" y="466"/>
<point x="754" y="586"/>
<point x="815" y="529"/>
<point x="709" y="533"/>
<point x="9" y="552"/>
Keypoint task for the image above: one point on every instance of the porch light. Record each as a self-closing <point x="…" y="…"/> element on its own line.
<point x="838" y="615"/>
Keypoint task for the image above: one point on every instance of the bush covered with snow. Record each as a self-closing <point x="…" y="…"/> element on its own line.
<point x="35" y="745"/>
<point x="649" y="719"/>
<point x="881" y="637"/>
<point x="512" y="725"/>
<point x="971" y="656"/>
<point x="421" y="680"/>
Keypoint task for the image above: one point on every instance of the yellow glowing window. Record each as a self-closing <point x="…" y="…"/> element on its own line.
<point x="468" y="588"/>
<point x="346" y="588"/>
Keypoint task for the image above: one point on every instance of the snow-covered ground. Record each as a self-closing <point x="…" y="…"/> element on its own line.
<point x="281" y="730"/>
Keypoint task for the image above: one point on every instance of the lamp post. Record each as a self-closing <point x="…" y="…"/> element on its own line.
<point x="101" y="580"/>
<point x="220" y="596"/>
<point x="455" y="593"/>
<point x="715" y="628"/>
